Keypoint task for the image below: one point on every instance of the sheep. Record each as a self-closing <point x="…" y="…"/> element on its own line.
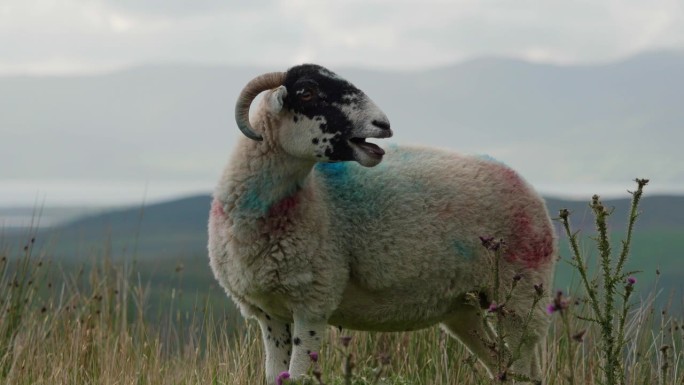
<point x="311" y="225"/>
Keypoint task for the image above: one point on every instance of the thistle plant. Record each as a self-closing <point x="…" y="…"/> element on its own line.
<point x="616" y="285"/>
<point x="505" y="354"/>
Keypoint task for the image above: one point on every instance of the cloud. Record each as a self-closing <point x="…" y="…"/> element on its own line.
<point x="53" y="36"/>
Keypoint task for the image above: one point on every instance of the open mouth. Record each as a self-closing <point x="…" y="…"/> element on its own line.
<point x="370" y="149"/>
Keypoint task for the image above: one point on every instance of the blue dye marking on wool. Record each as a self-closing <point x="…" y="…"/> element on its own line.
<point x="251" y="201"/>
<point x="490" y="159"/>
<point x="345" y="182"/>
<point x="334" y="173"/>
<point x="462" y="249"/>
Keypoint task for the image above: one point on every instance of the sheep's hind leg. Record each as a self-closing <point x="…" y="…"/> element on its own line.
<point x="468" y="326"/>
<point x="277" y="344"/>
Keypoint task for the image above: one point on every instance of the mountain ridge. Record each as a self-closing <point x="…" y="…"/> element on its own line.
<point x="574" y="124"/>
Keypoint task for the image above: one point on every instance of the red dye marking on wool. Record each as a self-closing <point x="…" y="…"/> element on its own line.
<point x="284" y="206"/>
<point x="280" y="216"/>
<point x="217" y="208"/>
<point x="531" y="246"/>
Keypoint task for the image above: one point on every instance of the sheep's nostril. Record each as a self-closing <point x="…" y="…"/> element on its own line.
<point x="381" y="124"/>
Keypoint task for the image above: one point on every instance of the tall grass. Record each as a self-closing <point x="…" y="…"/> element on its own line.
<point x="93" y="326"/>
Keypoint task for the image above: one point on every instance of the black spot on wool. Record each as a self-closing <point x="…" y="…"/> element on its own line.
<point x="297" y="341"/>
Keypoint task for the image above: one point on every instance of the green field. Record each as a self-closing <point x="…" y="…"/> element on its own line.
<point x="128" y="298"/>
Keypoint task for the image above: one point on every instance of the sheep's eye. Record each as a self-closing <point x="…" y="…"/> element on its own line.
<point x="306" y="96"/>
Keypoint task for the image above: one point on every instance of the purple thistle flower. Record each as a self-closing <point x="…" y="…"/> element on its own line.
<point x="491" y="244"/>
<point x="282" y="377"/>
<point x="631" y="281"/>
<point x="503" y="376"/>
<point x="345" y="340"/>
<point x="559" y="303"/>
<point x="313" y="356"/>
<point x="493" y="307"/>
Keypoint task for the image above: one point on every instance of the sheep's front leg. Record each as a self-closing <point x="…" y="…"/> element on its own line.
<point x="277" y="344"/>
<point x="306" y="338"/>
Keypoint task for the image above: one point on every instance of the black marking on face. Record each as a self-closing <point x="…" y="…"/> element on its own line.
<point x="308" y="352"/>
<point x="268" y="317"/>
<point x="289" y="352"/>
<point x="295" y="119"/>
<point x="297" y="341"/>
<point x="312" y="333"/>
<point x="284" y="362"/>
<point x="325" y="93"/>
<point x="314" y="140"/>
<point x="277" y="344"/>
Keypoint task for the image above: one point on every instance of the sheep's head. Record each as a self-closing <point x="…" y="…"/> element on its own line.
<point x="322" y="116"/>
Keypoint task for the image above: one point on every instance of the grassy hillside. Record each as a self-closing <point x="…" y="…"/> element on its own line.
<point x="160" y="237"/>
<point x="97" y="322"/>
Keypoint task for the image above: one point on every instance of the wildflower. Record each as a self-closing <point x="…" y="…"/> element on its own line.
<point x="491" y="244"/>
<point x="559" y="303"/>
<point x="631" y="281"/>
<point x="486" y="241"/>
<point x="503" y="376"/>
<point x="517" y="277"/>
<point x="539" y="289"/>
<point x="282" y="377"/>
<point x="579" y="336"/>
<point x="313" y="356"/>
<point x="384" y="359"/>
<point x="345" y="340"/>
<point x="493" y="307"/>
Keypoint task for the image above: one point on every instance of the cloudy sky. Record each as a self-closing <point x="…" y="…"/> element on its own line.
<point x="76" y="37"/>
<point x="86" y="36"/>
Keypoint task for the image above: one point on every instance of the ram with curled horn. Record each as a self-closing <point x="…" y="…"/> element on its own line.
<point x="314" y="224"/>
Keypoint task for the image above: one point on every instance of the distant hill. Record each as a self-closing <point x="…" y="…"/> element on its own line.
<point x="555" y="124"/>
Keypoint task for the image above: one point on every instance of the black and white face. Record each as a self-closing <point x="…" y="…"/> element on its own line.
<point x="326" y="118"/>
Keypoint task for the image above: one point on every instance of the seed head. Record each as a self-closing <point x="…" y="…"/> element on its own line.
<point x="345" y="340"/>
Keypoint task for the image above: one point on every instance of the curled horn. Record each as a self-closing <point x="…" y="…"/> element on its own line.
<point x="252" y="89"/>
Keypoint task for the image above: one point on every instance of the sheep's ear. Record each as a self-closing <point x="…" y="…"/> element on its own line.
<point x="275" y="99"/>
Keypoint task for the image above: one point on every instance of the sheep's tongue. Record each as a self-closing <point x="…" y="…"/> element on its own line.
<point x="372" y="149"/>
